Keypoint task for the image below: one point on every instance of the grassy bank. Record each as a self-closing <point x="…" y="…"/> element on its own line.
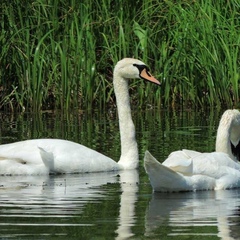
<point x="60" y="54"/>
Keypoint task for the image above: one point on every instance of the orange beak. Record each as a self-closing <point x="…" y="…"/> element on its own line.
<point x="148" y="76"/>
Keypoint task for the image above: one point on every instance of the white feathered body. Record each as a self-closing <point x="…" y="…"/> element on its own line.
<point x="191" y="171"/>
<point x="44" y="156"/>
<point x="187" y="170"/>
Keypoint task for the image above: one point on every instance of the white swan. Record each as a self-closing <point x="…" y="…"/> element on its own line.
<point x="44" y="156"/>
<point x="188" y="170"/>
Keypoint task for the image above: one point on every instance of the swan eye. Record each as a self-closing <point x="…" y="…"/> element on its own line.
<point x="141" y="68"/>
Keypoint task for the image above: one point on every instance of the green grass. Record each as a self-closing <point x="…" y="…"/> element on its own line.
<point x="60" y="54"/>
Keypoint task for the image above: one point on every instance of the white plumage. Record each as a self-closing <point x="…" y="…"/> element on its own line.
<point x="44" y="156"/>
<point x="188" y="170"/>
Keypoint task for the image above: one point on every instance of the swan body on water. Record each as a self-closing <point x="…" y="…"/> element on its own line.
<point x="188" y="170"/>
<point x="44" y="156"/>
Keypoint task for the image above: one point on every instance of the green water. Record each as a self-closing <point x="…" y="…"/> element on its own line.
<point x="114" y="205"/>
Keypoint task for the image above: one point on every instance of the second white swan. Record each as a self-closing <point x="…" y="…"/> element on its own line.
<point x="44" y="156"/>
<point x="188" y="170"/>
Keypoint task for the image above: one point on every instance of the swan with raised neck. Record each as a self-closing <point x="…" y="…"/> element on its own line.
<point x="187" y="170"/>
<point x="126" y="69"/>
<point x="44" y="156"/>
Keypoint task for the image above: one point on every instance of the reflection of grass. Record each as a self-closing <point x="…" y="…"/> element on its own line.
<point x="57" y="54"/>
<point x="186" y="132"/>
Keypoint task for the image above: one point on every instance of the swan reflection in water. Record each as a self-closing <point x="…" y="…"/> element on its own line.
<point x="43" y="200"/>
<point x="182" y="211"/>
<point x="129" y="185"/>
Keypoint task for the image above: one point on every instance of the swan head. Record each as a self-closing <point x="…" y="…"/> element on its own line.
<point x="130" y="68"/>
<point x="231" y="116"/>
<point x="228" y="134"/>
<point x="231" y="120"/>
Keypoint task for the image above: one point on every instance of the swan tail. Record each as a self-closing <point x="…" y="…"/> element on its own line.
<point x="162" y="178"/>
<point x="47" y="158"/>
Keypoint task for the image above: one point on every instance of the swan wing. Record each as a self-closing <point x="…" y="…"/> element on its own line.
<point x="181" y="161"/>
<point x="21" y="158"/>
<point x="214" y="170"/>
<point x="26" y="152"/>
<point x="163" y="178"/>
<point x="218" y="166"/>
<point x="215" y="164"/>
<point x="62" y="156"/>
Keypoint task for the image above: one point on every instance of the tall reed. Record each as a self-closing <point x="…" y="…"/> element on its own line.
<point x="60" y="54"/>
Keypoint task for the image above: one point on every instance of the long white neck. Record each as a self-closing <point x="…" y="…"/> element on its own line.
<point x="223" y="143"/>
<point x="129" y="149"/>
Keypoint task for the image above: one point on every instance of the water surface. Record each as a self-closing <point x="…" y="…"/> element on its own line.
<point x="116" y="205"/>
